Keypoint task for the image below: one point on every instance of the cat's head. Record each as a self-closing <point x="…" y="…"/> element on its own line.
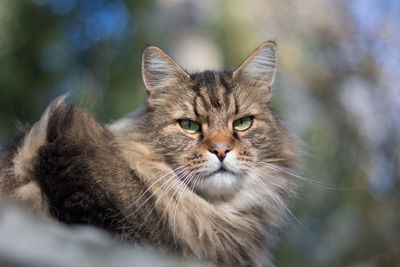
<point x="216" y="128"/>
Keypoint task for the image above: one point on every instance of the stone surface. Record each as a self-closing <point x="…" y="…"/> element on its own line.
<point x="26" y="240"/>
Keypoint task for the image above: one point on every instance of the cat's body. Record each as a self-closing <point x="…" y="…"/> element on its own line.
<point x="200" y="169"/>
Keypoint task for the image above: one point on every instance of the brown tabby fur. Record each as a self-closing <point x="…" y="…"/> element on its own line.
<point x="73" y="168"/>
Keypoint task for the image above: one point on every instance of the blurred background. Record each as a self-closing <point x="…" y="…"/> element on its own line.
<point x="338" y="89"/>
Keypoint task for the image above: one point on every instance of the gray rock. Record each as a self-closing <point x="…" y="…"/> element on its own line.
<point x="26" y="240"/>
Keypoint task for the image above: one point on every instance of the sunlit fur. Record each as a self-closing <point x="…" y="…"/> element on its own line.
<point x="150" y="182"/>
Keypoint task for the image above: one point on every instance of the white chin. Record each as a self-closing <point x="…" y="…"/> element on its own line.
<point x="219" y="185"/>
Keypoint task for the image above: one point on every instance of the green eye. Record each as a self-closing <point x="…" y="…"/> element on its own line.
<point x="243" y="124"/>
<point x="189" y="126"/>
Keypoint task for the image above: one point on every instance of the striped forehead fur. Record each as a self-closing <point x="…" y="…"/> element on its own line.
<point x="167" y="82"/>
<point x="212" y="89"/>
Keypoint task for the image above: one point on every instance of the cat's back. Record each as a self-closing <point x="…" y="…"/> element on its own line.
<point x="58" y="162"/>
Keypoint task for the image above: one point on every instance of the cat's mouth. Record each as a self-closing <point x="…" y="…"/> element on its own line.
<point x="221" y="170"/>
<point x="220" y="183"/>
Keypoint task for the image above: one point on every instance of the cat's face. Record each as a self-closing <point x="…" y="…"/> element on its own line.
<point x="214" y="128"/>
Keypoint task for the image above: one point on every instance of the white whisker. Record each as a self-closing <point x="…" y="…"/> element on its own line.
<point x="271" y="180"/>
<point x="277" y="199"/>
<point x="153" y="193"/>
<point x="186" y="182"/>
<point x="159" y="179"/>
<point x="169" y="188"/>
<point x="307" y="180"/>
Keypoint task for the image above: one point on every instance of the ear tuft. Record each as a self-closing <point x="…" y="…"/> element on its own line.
<point x="159" y="70"/>
<point x="260" y="67"/>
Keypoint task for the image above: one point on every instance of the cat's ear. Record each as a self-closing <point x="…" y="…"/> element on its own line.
<point x="159" y="70"/>
<point x="258" y="70"/>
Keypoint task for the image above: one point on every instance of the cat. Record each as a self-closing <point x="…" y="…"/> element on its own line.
<point x="203" y="169"/>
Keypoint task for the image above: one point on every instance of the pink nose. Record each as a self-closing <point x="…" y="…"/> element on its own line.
<point x="220" y="150"/>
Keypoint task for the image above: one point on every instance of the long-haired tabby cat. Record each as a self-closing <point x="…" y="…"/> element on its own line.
<point x="200" y="169"/>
